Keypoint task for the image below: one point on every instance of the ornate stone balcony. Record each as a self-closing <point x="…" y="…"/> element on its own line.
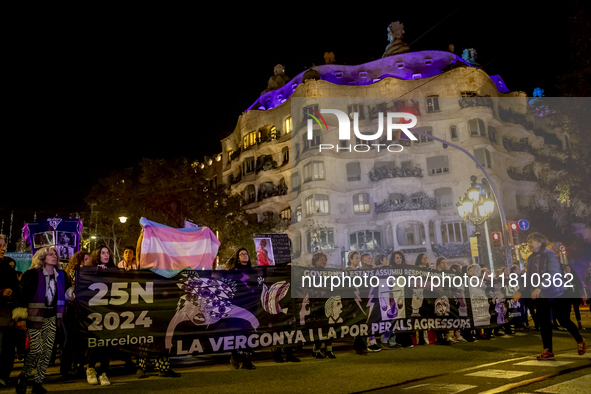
<point x="393" y="171"/>
<point x="408" y="204"/>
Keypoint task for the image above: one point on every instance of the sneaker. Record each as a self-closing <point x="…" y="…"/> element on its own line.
<point x="362" y="352"/>
<point x="330" y="355"/>
<point x="140" y="374"/>
<point x="104" y="380"/>
<point x="385" y="346"/>
<point x="21" y="385"/>
<point x="319" y="355"/>
<point x="38" y="389"/>
<point x="91" y="376"/>
<point x="581" y="347"/>
<point x="374" y="348"/>
<point x="169" y="374"/>
<point x="397" y="346"/>
<point x="2" y="383"/>
<point x="546" y="355"/>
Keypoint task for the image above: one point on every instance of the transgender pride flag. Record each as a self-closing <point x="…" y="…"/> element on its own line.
<point x="167" y="251"/>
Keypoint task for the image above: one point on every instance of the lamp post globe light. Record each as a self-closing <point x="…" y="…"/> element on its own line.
<point x="475" y="208"/>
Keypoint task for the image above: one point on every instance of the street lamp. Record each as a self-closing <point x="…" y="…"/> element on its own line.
<point x="474" y="209"/>
<point x="123" y="219"/>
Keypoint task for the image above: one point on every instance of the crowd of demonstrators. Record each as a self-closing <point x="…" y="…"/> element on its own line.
<point x="42" y="307"/>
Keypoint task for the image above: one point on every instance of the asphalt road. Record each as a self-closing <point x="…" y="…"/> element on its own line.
<point x="500" y="365"/>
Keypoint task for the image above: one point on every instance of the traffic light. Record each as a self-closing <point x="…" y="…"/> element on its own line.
<point x="497" y="239"/>
<point x="514" y="233"/>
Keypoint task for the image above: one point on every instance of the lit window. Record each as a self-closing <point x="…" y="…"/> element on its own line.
<point x="483" y="156"/>
<point x="320" y="240"/>
<point x="361" y="203"/>
<point x="286" y="214"/>
<point x="251" y="139"/>
<point x="314" y="171"/>
<point x="365" y="240"/>
<point x="443" y="197"/>
<point x="476" y="127"/>
<point x="353" y="171"/>
<point x="299" y="213"/>
<point x="218" y="157"/>
<point x="230" y="155"/>
<point x="317" y="203"/>
<point x="454" y="232"/>
<point x="288" y="125"/>
<point x="437" y="165"/>
<point x="432" y="104"/>
<point x="396" y="198"/>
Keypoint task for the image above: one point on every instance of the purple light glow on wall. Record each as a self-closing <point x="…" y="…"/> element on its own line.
<point x="402" y="66"/>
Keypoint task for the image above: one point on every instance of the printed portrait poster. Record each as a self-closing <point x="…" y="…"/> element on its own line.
<point x="272" y="249"/>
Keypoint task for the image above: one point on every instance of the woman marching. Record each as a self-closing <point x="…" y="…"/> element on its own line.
<point x="547" y="296"/>
<point x="41" y="310"/>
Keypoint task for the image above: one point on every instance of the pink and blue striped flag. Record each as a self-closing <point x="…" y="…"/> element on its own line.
<point x="167" y="251"/>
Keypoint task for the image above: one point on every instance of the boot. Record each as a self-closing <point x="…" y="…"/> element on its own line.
<point x="38" y="388"/>
<point x="277" y="356"/>
<point x="234" y="360"/>
<point x="247" y="364"/>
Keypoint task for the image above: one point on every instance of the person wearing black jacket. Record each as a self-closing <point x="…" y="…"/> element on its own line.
<point x="575" y="294"/>
<point x="548" y="294"/>
<point x="9" y="290"/>
<point x="242" y="261"/>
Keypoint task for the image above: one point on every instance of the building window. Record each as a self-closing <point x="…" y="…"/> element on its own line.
<point x="468" y="94"/>
<point x="249" y="165"/>
<point x="422" y="139"/>
<point x="432" y="104"/>
<point x="483" y="156"/>
<point x="285" y="154"/>
<point x="444" y="197"/>
<point x="286" y="214"/>
<point x="320" y="240"/>
<point x="273" y="133"/>
<point x="365" y="240"/>
<point x="314" y="171"/>
<point x="317" y="203"/>
<point x="353" y="171"/>
<point x="250" y="194"/>
<point x="492" y="134"/>
<point x="288" y="125"/>
<point x="361" y="203"/>
<point x="454" y="232"/>
<point x="295" y="181"/>
<point x="214" y="183"/>
<point x="453" y="130"/>
<point x="437" y="165"/>
<point x="417" y="198"/>
<point x="566" y="142"/>
<point x="315" y="141"/>
<point x="296" y="244"/>
<point x="476" y="127"/>
<point x="355" y="108"/>
<point x="297" y="148"/>
<point x="309" y="110"/>
<point x="396" y="198"/>
<point x="251" y="139"/>
<point x="410" y="233"/>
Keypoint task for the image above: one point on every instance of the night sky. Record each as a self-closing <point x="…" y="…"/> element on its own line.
<point x="103" y="92"/>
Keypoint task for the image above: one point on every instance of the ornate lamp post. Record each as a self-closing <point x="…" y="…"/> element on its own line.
<point x="475" y="209"/>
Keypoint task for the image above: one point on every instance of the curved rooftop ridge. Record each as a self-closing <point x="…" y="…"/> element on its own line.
<point x="410" y="65"/>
